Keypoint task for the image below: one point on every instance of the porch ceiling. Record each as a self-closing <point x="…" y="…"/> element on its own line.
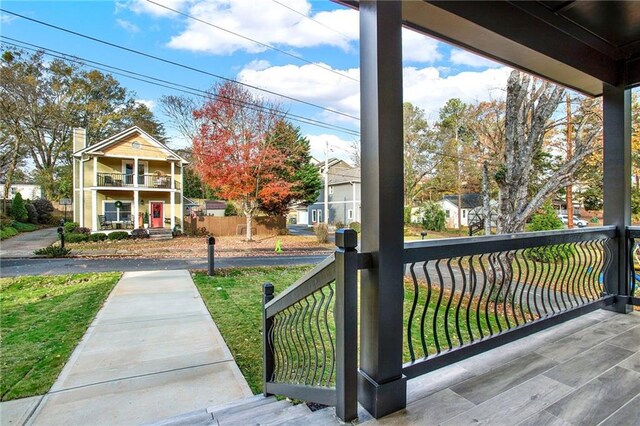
<point x="579" y="44"/>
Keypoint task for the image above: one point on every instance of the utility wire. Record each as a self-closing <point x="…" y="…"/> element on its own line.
<point x="268" y="46"/>
<point x="311" y="19"/>
<point x="167" y="84"/>
<point x="158" y="58"/>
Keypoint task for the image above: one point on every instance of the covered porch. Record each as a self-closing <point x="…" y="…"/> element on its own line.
<point x="500" y="329"/>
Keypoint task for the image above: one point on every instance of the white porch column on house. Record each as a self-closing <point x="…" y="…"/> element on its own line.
<point x="81" y="198"/>
<point x="173" y="204"/>
<point x="75" y="194"/>
<point x="173" y="176"/>
<point x="354" y="216"/>
<point x="94" y="209"/>
<point x="136" y="207"/>
<point x="135" y="172"/>
<point x="95" y="171"/>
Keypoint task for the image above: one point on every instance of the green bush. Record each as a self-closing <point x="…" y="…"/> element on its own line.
<point x="433" y="216"/>
<point x="230" y="209"/>
<point x="98" y="236"/>
<point x="71" y="227"/>
<point x="355" y="226"/>
<point x="550" y="254"/>
<point x="547" y="220"/>
<point x="118" y="235"/>
<point x="7" y="232"/>
<point x="52" y="251"/>
<point x="338" y="225"/>
<point x="24" y="227"/>
<point x="322" y="232"/>
<point x="76" y="238"/>
<point x="18" y="209"/>
<point x="44" y="209"/>
<point x="83" y="230"/>
<point x="32" y="213"/>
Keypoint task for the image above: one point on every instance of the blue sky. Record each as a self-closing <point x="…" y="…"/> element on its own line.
<point x="323" y="33"/>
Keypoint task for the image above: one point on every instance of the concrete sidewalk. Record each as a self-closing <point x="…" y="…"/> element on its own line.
<point x="23" y="244"/>
<point x="152" y="352"/>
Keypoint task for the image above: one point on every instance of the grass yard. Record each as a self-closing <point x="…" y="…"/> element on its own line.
<point x="234" y="298"/>
<point x="42" y="320"/>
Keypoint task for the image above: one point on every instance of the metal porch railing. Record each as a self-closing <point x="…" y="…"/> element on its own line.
<point x="633" y="238"/>
<point x="117" y="180"/>
<point x="469" y="295"/>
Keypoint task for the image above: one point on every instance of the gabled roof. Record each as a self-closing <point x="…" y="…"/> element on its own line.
<point x="98" y="147"/>
<point x="469" y="201"/>
<point x="188" y="201"/>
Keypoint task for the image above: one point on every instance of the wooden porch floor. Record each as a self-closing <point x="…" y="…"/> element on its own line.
<point x="583" y="372"/>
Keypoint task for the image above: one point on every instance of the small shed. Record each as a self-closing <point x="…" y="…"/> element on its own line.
<point x="214" y="207"/>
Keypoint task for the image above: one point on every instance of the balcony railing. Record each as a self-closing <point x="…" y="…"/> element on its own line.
<point x="144" y="181"/>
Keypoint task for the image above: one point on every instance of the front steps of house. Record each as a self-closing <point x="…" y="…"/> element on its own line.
<point x="258" y="410"/>
<point x="160" y="234"/>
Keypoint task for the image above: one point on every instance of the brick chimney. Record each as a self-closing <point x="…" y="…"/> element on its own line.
<point x="79" y="139"/>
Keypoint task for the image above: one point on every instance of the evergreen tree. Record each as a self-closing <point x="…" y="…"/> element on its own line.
<point x="18" y="209"/>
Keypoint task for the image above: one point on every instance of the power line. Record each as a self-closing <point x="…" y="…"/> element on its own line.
<point x="268" y="46"/>
<point x="311" y="19"/>
<point x="158" y="58"/>
<point x="165" y="83"/>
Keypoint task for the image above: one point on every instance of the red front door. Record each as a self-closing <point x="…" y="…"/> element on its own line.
<point x="157" y="218"/>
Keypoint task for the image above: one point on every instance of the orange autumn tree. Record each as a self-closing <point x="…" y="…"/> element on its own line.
<point x="233" y="151"/>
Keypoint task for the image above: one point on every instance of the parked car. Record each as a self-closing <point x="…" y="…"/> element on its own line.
<point x="580" y="223"/>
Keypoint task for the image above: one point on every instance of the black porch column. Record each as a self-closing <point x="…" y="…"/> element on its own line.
<point x="617" y="185"/>
<point x="381" y="385"/>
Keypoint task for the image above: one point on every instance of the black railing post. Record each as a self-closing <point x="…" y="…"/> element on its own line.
<point x="267" y="350"/>
<point x="346" y="324"/>
<point x="211" y="244"/>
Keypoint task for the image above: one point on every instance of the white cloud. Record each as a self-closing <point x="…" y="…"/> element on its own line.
<point x="463" y="57"/>
<point x="417" y="47"/>
<point x="266" y="21"/>
<point x="257" y="65"/>
<point x="128" y="26"/>
<point x="5" y="19"/>
<point x="425" y="87"/>
<point x="149" y="103"/>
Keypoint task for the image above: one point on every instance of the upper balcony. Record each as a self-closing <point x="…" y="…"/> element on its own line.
<point x="122" y="180"/>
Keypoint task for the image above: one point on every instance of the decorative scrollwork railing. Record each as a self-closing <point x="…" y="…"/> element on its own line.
<point x="468" y="295"/>
<point x="633" y="238"/>
<point x="310" y="333"/>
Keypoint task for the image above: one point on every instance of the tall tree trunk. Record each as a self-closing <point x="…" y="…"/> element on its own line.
<point x="486" y="205"/>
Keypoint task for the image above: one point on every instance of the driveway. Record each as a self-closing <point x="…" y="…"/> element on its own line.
<point x="153" y="351"/>
<point x="23" y="244"/>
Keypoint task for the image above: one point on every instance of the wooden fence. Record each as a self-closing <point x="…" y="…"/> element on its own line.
<point x="236" y="225"/>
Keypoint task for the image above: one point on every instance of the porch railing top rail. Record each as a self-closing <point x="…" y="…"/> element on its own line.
<point x="452" y="247"/>
<point x="633" y="231"/>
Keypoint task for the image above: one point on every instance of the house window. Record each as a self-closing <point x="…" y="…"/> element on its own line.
<point x="350" y="214"/>
<point x="319" y="215"/>
<point x="331" y="190"/>
<point x="464" y="213"/>
<point x="447" y="213"/>
<point x="114" y="214"/>
<point x="314" y="215"/>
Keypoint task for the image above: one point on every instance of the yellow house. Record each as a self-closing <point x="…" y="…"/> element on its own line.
<point x="122" y="179"/>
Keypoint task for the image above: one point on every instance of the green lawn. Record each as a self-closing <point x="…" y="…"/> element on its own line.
<point x="41" y="321"/>
<point x="234" y="298"/>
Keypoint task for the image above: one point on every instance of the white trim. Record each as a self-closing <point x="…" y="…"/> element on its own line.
<point x="130" y="188"/>
<point x="125" y="200"/>
<point x="75" y="200"/>
<point x="81" y="209"/>
<point x="172" y="198"/>
<point x="149" y="210"/>
<point x="136" y="208"/>
<point x="173" y="180"/>
<point x="95" y="171"/>
<point x="337" y="202"/>
<point x="136" y="167"/>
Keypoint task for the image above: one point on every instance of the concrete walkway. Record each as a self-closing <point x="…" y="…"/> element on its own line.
<point x="23" y="245"/>
<point x="152" y="352"/>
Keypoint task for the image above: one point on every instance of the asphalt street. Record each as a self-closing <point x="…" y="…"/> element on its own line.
<point x="16" y="267"/>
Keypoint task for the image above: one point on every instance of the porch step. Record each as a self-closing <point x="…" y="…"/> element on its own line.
<point x="160" y="233"/>
<point x="256" y="410"/>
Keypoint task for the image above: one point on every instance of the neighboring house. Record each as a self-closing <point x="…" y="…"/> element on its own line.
<point x="28" y="191"/>
<point x="449" y="204"/>
<point x="117" y="180"/>
<point x="344" y="196"/>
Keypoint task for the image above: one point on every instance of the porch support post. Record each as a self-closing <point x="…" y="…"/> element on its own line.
<point x="172" y="197"/>
<point x="81" y="197"/>
<point x="94" y="209"/>
<point x="135" y="172"/>
<point x="617" y="186"/>
<point x="95" y="171"/>
<point x="381" y="384"/>
<point x="136" y="207"/>
<point x="173" y="175"/>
